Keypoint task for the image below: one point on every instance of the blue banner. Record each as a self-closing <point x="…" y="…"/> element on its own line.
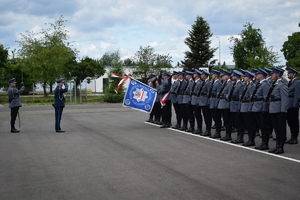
<point x="139" y="96"/>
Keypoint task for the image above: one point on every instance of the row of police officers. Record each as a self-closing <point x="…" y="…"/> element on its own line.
<point x="254" y="100"/>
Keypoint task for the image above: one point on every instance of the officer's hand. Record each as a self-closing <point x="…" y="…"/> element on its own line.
<point x="283" y="115"/>
<point x="22" y="83"/>
<point x="66" y="84"/>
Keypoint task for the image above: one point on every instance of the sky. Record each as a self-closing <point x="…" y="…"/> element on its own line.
<point x="97" y="27"/>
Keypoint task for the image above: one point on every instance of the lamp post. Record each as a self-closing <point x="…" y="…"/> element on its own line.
<point x="219" y="51"/>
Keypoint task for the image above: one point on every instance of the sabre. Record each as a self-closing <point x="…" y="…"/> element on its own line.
<point x="19" y="119"/>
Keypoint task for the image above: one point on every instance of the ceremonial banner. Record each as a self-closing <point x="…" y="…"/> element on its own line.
<point x="139" y="96"/>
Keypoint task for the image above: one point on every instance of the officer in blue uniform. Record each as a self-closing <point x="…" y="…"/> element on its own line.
<point x="234" y="98"/>
<point x="213" y="102"/>
<point x="59" y="102"/>
<point x="203" y="102"/>
<point x="180" y="93"/>
<point x="245" y="110"/>
<point x="187" y="101"/>
<point x="151" y="83"/>
<point x="195" y="100"/>
<point x="293" y="109"/>
<point x="260" y="108"/>
<point x="173" y="97"/>
<point x="224" y="105"/>
<point x="167" y="109"/>
<point x="14" y="102"/>
<point x="279" y="102"/>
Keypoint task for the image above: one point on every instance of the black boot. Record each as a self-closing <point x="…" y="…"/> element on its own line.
<point x="14" y="130"/>
<point x="275" y="149"/>
<point x="177" y="126"/>
<point x="226" y="138"/>
<point x="184" y="127"/>
<point x="150" y="119"/>
<point x="216" y="135"/>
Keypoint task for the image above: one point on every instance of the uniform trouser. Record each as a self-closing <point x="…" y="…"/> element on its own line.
<point x="184" y="113"/>
<point x="238" y="123"/>
<point x="217" y="116"/>
<point x="190" y="114"/>
<point x="177" y="112"/>
<point x="58" y="113"/>
<point x="13" y="115"/>
<point x="293" y="121"/>
<point x="157" y="111"/>
<point x="279" y="123"/>
<point x="263" y="121"/>
<point x="167" y="112"/>
<point x="198" y="116"/>
<point x="249" y="119"/>
<point x="227" y="117"/>
<point x="207" y="117"/>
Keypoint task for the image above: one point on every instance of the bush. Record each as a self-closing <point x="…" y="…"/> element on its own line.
<point x="113" y="98"/>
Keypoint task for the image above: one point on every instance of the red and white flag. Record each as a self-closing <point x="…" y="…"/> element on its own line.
<point x="164" y="99"/>
<point x="114" y="75"/>
<point x="123" y="80"/>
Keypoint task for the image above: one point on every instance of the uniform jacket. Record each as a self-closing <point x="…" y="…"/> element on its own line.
<point x="235" y="97"/>
<point x="294" y="92"/>
<point x="181" y="91"/>
<point x="188" y="92"/>
<point x="203" y="99"/>
<point x="14" y="96"/>
<point x="174" y="88"/>
<point x="195" y="97"/>
<point x="259" y="105"/>
<point x="223" y="103"/>
<point x="165" y="87"/>
<point x="213" y="101"/>
<point x="269" y="80"/>
<point x="279" y="101"/>
<point x="158" y="96"/>
<point x="245" y="100"/>
<point x="59" y="99"/>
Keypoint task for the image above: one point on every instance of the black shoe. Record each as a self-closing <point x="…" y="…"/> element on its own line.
<point x="190" y="130"/>
<point x="206" y="133"/>
<point x="273" y="150"/>
<point x="184" y="128"/>
<point x="226" y="138"/>
<point x="177" y="126"/>
<point x="249" y="143"/>
<point x="279" y="150"/>
<point x="149" y="120"/>
<point x="14" y="131"/>
<point x="238" y="140"/>
<point x="292" y="141"/>
<point x="213" y="127"/>
<point x="160" y="123"/>
<point x="198" y="131"/>
<point x="216" y="136"/>
<point x="60" y="131"/>
<point x="262" y="147"/>
<point x="165" y="126"/>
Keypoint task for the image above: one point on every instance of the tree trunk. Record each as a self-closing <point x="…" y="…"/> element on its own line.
<point x="51" y="88"/>
<point x="45" y="89"/>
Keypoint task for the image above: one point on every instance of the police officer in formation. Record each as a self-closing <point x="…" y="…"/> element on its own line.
<point x="254" y="100"/>
<point x="14" y="102"/>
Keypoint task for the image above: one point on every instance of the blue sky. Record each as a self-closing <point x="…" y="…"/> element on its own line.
<point x="125" y="25"/>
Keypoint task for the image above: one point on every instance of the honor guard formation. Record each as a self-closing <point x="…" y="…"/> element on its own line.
<point x="255" y="103"/>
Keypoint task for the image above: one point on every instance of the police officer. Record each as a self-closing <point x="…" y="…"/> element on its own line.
<point x="234" y="98"/>
<point x="14" y="102"/>
<point x="151" y="82"/>
<point x="213" y="102"/>
<point x="224" y="105"/>
<point x="167" y="109"/>
<point x="279" y="103"/>
<point x="260" y="108"/>
<point x="59" y="102"/>
<point x="203" y="102"/>
<point x="173" y="97"/>
<point x="187" y="101"/>
<point x="180" y="92"/>
<point x="195" y="99"/>
<point x="293" y="109"/>
<point x="247" y="115"/>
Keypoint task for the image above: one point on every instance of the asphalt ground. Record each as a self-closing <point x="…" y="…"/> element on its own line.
<point x="108" y="152"/>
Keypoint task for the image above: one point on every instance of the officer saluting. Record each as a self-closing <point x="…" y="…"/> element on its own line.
<point x="14" y="102"/>
<point x="59" y="102"/>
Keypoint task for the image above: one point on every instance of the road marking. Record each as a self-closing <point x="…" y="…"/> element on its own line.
<point x="229" y="143"/>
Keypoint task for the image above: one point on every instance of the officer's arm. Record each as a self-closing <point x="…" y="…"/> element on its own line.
<point x="65" y="89"/>
<point x="296" y="95"/>
<point x="16" y="91"/>
<point x="284" y="98"/>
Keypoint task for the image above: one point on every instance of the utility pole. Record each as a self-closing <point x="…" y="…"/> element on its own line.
<point x="219" y="51"/>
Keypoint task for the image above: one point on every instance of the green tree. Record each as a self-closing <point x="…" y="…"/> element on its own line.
<point x="147" y="62"/>
<point x="291" y="51"/>
<point x="198" y="41"/>
<point x="249" y="49"/>
<point x="3" y="66"/>
<point x="45" y="54"/>
<point x="116" y="67"/>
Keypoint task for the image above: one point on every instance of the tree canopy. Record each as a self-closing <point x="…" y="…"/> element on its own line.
<point x="291" y="51"/>
<point x="249" y="49"/>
